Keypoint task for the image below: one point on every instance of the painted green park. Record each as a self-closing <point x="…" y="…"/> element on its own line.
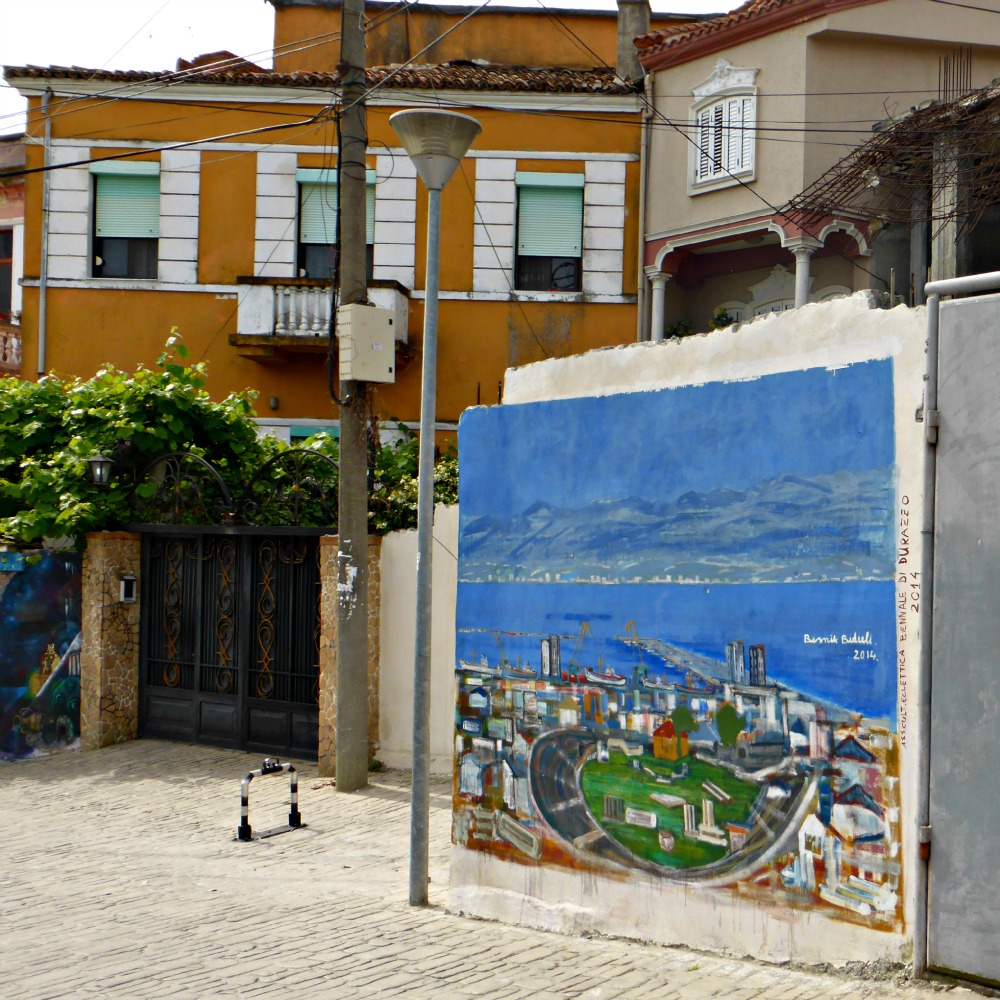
<point x="636" y="785"/>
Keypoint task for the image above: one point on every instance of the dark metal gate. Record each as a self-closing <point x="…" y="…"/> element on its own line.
<point x="229" y="645"/>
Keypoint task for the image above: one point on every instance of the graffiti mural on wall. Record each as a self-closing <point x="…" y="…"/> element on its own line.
<point x="676" y="637"/>
<point x="40" y="654"/>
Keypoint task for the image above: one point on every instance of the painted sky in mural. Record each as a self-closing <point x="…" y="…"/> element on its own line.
<point x="703" y="531"/>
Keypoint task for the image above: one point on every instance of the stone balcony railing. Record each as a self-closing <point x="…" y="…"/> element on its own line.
<point x="10" y="348"/>
<point x="285" y="310"/>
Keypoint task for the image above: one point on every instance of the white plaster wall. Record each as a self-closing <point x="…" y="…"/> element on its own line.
<point x="274" y="232"/>
<point x="603" y="227"/>
<point x="180" y="188"/>
<point x="829" y="335"/>
<point x="493" y="239"/>
<point x="398" y="637"/>
<point x="69" y="214"/>
<point x="395" y="220"/>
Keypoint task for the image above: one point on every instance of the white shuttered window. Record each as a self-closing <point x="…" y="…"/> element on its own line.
<point x="726" y="134"/>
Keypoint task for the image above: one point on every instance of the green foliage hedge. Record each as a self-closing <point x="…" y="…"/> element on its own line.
<point x="50" y="428"/>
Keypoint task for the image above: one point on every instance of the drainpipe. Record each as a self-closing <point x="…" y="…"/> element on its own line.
<point x="642" y="322"/>
<point x="933" y="290"/>
<point x="43" y="270"/>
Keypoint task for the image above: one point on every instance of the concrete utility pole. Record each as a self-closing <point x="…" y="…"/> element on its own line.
<point x="352" y="557"/>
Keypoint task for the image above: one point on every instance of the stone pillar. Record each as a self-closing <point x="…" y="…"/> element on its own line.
<point x="109" y="656"/>
<point x="658" y="279"/>
<point x="803" y="247"/>
<point x="327" y="749"/>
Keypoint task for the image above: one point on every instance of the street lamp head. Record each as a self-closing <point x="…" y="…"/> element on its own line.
<point x="435" y="141"/>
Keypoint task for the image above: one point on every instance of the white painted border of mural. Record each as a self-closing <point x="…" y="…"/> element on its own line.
<point x="543" y="832"/>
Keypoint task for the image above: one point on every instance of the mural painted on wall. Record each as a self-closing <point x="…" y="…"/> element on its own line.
<point x="676" y="637"/>
<point x="40" y="654"/>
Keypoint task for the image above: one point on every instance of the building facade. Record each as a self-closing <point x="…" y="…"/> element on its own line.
<point x="205" y="200"/>
<point x="749" y="109"/>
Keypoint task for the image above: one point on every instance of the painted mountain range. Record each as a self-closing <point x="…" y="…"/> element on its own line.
<point x="787" y="529"/>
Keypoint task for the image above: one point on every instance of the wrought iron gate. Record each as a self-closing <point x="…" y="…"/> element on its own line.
<point x="229" y="645"/>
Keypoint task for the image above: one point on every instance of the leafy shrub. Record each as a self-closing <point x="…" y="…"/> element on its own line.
<point x="50" y="428"/>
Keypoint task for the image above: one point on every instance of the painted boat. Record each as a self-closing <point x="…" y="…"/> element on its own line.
<point x="482" y="668"/>
<point x="518" y="673"/>
<point x="656" y="684"/>
<point x="609" y="677"/>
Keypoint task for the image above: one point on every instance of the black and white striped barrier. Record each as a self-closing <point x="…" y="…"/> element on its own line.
<point x="271" y="765"/>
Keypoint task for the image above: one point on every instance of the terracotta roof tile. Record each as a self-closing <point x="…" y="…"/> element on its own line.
<point x="655" y="41"/>
<point x="755" y="18"/>
<point x="450" y="76"/>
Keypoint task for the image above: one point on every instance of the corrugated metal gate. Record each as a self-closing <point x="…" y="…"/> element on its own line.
<point x="229" y="644"/>
<point x="963" y="916"/>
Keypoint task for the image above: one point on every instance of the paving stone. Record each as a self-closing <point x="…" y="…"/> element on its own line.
<point x="127" y="858"/>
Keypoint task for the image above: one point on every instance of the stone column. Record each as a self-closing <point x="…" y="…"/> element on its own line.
<point x="327" y="749"/>
<point x="109" y="656"/>
<point x="658" y="279"/>
<point x="803" y="247"/>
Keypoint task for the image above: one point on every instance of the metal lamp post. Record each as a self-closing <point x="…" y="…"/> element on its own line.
<point x="435" y="141"/>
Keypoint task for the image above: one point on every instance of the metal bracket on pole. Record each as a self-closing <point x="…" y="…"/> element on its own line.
<point x="924" y="842"/>
<point x="932" y="421"/>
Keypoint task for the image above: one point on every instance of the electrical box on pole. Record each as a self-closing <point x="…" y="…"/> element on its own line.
<point x="367" y="340"/>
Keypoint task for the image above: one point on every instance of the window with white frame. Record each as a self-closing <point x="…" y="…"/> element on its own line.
<point x="725" y="122"/>
<point x="549" y="231"/>
<point x="126" y="219"/>
<point x="317" y="236"/>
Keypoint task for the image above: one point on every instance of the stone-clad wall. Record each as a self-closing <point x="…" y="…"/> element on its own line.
<point x="109" y="659"/>
<point x="328" y="651"/>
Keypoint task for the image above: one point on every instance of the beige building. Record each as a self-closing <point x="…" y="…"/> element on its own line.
<point x="749" y="110"/>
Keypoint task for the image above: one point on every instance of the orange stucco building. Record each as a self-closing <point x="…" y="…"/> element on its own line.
<point x="219" y="219"/>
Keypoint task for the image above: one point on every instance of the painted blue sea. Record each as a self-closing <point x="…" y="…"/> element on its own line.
<point x="832" y="642"/>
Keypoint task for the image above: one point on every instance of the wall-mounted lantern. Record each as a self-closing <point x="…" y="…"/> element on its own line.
<point x="100" y="470"/>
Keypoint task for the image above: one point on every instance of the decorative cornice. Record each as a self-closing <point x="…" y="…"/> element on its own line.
<point x="725" y="77"/>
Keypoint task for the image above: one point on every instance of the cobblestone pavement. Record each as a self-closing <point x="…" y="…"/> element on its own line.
<point x="120" y="876"/>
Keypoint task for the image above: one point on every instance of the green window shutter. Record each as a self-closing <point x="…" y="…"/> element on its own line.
<point x="318" y="212"/>
<point x="128" y="205"/>
<point x="550" y="221"/>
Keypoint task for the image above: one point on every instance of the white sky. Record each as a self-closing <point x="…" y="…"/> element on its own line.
<point x="152" y="34"/>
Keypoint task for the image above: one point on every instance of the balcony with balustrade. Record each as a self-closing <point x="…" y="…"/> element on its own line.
<point x="10" y="348"/>
<point x="281" y="315"/>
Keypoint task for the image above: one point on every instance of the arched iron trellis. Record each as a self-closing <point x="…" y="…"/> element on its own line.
<point x="296" y="486"/>
<point x="181" y="487"/>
